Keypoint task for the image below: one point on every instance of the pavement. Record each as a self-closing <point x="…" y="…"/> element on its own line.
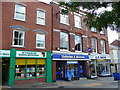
<point x="100" y="82"/>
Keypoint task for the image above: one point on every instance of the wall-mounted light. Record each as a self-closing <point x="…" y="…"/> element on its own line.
<point x="58" y="48"/>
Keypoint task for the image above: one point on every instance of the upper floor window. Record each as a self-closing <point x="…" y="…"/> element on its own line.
<point x="20" y="11"/>
<point x="18" y="38"/>
<point x="103" y="31"/>
<point x="78" y="43"/>
<point x="94" y="45"/>
<point x="93" y="29"/>
<point x="77" y="20"/>
<point x="103" y="46"/>
<point x="40" y="40"/>
<point x="64" y="19"/>
<point x="64" y="41"/>
<point x="40" y="17"/>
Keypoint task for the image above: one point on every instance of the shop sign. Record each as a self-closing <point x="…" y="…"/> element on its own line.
<point x="106" y="56"/>
<point x="4" y="53"/>
<point x="72" y="57"/>
<point x="29" y="54"/>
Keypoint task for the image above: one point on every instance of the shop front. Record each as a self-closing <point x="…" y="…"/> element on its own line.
<point x="100" y="65"/>
<point x="27" y="67"/>
<point x="70" y="64"/>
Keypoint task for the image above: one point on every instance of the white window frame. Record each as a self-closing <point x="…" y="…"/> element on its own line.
<point x="64" y="16"/>
<point x="18" y="38"/>
<point x="79" y="42"/>
<point x="15" y="12"/>
<point x="79" y="21"/>
<point x="40" y="40"/>
<point x="95" y="40"/>
<point x="103" y="31"/>
<point x="64" y="39"/>
<point x="103" y="46"/>
<point x="41" y="18"/>
<point x="93" y="29"/>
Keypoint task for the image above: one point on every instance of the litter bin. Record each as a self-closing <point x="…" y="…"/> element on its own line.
<point x="116" y="76"/>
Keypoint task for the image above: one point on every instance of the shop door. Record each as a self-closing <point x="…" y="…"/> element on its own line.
<point x="58" y="70"/>
<point x="5" y="71"/>
<point x="82" y="69"/>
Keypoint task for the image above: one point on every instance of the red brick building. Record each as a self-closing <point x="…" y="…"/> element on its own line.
<point x="26" y="33"/>
<point x="71" y="42"/>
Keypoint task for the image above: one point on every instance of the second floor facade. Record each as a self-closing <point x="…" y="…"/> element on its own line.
<point x="41" y="27"/>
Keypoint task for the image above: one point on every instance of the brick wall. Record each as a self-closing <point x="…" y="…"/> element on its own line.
<point x="30" y="23"/>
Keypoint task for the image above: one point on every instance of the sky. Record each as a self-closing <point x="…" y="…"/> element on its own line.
<point x="112" y="35"/>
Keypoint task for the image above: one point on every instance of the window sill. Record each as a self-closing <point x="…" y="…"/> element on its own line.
<point x="39" y="48"/>
<point x="64" y="23"/>
<point x="78" y="51"/>
<point x="18" y="46"/>
<point x="20" y="20"/>
<point x="63" y="50"/>
<point x="79" y="27"/>
<point x="40" y="24"/>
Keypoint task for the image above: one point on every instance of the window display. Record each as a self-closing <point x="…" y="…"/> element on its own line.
<point x="29" y="68"/>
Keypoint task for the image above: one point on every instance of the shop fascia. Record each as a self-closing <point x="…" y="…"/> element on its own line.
<point x="100" y="56"/>
<point x="70" y="56"/>
<point x="29" y="54"/>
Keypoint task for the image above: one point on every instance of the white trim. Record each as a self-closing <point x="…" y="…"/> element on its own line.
<point x="72" y="33"/>
<point x="72" y="59"/>
<point x="36" y="41"/>
<point x="68" y="52"/>
<point x="56" y="30"/>
<point x="85" y="36"/>
<point x="13" y="39"/>
<point x="77" y="14"/>
<point x="15" y="12"/>
<point x="40" y="9"/>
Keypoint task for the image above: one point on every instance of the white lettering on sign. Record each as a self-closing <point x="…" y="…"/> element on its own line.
<point x="4" y="53"/>
<point x="78" y="57"/>
<point x="28" y="54"/>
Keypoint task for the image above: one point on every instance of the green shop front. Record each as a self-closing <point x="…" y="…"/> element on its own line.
<point x="25" y="67"/>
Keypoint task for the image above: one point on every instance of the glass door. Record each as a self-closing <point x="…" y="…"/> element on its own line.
<point x="58" y="70"/>
<point x="82" y="69"/>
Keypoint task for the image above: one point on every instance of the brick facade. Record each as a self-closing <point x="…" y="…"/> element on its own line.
<point x="29" y="23"/>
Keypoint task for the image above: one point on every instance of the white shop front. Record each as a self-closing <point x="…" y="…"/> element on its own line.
<point x="100" y="65"/>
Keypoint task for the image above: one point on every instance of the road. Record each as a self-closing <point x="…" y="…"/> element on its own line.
<point x="100" y="82"/>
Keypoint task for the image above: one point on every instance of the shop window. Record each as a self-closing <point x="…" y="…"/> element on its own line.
<point x="94" y="45"/>
<point x="40" y="17"/>
<point x="40" y="40"/>
<point x="78" y="43"/>
<point x="41" y="68"/>
<point x="20" y="11"/>
<point x="29" y="68"/>
<point x="77" y="20"/>
<point x="18" y="38"/>
<point x="64" y="41"/>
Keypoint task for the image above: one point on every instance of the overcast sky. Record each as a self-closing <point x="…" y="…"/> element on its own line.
<point x="112" y="35"/>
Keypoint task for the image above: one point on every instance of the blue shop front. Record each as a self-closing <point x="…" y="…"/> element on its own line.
<point x="70" y="66"/>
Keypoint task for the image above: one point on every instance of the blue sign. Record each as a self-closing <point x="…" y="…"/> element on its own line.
<point x="89" y="49"/>
<point x="67" y="56"/>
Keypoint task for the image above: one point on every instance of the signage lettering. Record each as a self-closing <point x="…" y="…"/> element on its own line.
<point x="72" y="57"/>
<point x="4" y="53"/>
<point x="28" y="54"/>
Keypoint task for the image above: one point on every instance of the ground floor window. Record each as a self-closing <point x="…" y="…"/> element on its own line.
<point x="93" y="68"/>
<point x="29" y="68"/>
<point x="103" y="66"/>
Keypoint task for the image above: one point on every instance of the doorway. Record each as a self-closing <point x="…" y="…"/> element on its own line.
<point x="5" y="71"/>
<point x="82" y="70"/>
